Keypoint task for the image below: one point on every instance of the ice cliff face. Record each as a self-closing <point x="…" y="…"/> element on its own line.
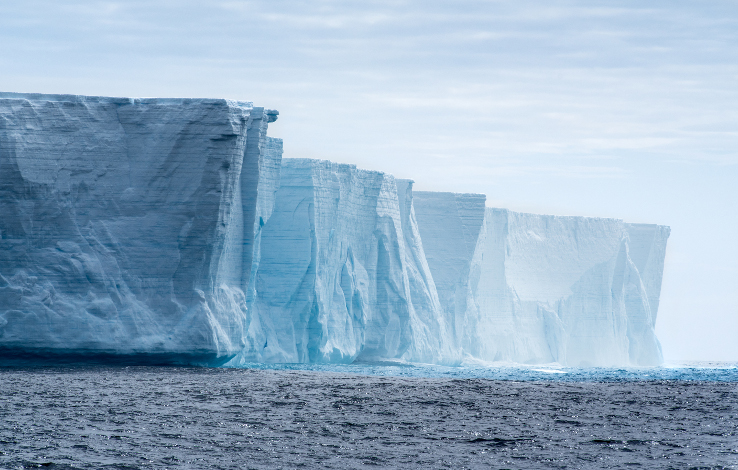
<point x="357" y="266"/>
<point x="539" y="289"/>
<point x="129" y="228"/>
<point x="338" y="274"/>
<point x="171" y="231"/>
<point x="450" y="226"/>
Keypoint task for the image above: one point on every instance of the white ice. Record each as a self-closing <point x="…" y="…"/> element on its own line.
<point x="575" y="291"/>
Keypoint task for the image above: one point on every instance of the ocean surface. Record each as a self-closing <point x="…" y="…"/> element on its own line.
<point x="369" y="416"/>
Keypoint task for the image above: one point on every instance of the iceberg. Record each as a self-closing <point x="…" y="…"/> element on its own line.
<point x="450" y="226"/>
<point x="171" y="231"/>
<point x="538" y="289"/>
<point x="129" y="226"/>
<point x="356" y="266"/>
<point x="339" y="271"/>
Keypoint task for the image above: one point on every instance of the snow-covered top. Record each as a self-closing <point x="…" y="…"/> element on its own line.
<point x="122" y="100"/>
<point x="319" y="163"/>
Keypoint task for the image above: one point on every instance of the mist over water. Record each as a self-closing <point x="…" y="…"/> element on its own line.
<point x="388" y="416"/>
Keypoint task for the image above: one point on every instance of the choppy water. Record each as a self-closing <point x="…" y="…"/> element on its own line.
<point x="363" y="416"/>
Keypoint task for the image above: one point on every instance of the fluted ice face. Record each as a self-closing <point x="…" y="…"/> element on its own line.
<point x="433" y="331"/>
<point x="170" y="231"/>
<point x="646" y="251"/>
<point x="338" y="273"/>
<point x="450" y="226"/>
<point x="357" y="266"/>
<point x="573" y="290"/>
<point x="126" y="225"/>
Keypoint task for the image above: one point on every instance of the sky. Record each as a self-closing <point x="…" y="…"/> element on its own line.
<point x="624" y="109"/>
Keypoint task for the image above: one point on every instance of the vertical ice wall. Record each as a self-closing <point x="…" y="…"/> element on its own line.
<point x="333" y="283"/>
<point x="432" y="340"/>
<point x="259" y="204"/>
<point x="357" y="266"/>
<point x="646" y="250"/>
<point x="161" y="230"/>
<point x="450" y="226"/>
<point x="545" y="290"/>
<point x="120" y="219"/>
<point x="572" y="290"/>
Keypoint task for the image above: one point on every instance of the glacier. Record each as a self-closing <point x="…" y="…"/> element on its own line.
<point x="129" y="226"/>
<point x="171" y="231"/>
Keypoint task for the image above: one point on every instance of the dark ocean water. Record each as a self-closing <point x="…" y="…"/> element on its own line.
<point x="368" y="416"/>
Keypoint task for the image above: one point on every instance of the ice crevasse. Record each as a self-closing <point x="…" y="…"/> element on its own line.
<point x="172" y="231"/>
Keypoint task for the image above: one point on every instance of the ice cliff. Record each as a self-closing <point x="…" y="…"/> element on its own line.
<point x="342" y="273"/>
<point x="171" y="231"/>
<point x="577" y="291"/>
<point x="129" y="227"/>
<point x="450" y="226"/>
<point x="357" y="266"/>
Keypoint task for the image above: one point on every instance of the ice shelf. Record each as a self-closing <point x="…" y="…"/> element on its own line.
<point x="129" y="227"/>
<point x="170" y="231"/>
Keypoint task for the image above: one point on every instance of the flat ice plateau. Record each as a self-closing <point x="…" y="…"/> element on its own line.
<point x="171" y="231"/>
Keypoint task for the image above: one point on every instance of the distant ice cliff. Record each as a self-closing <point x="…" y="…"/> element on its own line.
<point x="539" y="289"/>
<point x="171" y="231"/>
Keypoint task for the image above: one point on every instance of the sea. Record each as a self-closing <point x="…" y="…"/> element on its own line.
<point x="386" y="415"/>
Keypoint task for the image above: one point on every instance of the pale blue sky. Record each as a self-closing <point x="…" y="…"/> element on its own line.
<point x="601" y="108"/>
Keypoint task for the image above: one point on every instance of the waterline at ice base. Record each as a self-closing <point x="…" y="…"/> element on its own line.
<point x="171" y="231"/>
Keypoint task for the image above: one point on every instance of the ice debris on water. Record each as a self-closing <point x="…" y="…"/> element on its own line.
<point x="171" y="231"/>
